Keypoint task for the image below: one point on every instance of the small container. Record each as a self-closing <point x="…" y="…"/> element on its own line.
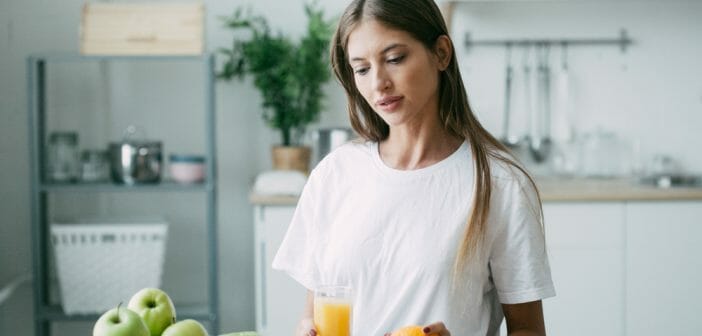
<point x="63" y="162"/>
<point x="95" y="165"/>
<point x="187" y="168"/>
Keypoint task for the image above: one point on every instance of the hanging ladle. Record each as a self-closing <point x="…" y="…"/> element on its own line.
<point x="508" y="139"/>
<point x="540" y="140"/>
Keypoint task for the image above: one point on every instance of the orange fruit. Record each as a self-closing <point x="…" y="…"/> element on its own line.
<point x="410" y="331"/>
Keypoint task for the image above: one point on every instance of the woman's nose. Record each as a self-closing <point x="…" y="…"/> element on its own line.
<point x="381" y="81"/>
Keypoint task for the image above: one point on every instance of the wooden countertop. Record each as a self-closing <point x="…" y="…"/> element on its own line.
<point x="597" y="190"/>
<point x="567" y="190"/>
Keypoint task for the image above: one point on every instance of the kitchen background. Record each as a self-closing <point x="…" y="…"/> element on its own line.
<point x="650" y="96"/>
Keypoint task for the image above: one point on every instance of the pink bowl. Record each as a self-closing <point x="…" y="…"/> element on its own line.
<point x="187" y="172"/>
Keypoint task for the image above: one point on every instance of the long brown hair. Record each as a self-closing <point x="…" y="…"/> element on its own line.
<point x="422" y="19"/>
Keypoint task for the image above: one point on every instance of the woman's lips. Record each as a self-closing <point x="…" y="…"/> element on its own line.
<point x="389" y="104"/>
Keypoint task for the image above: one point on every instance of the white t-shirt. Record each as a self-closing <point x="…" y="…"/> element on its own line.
<point x="393" y="236"/>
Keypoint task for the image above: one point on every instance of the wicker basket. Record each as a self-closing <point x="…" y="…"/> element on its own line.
<point x="101" y="265"/>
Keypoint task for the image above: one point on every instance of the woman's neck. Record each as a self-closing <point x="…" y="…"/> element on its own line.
<point x="409" y="148"/>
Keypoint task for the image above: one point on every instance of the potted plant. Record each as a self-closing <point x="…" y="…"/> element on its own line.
<point x="289" y="76"/>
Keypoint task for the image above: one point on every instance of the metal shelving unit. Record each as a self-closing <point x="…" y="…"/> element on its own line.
<point x="47" y="312"/>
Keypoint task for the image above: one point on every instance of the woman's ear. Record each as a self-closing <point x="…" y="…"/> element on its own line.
<point x="443" y="50"/>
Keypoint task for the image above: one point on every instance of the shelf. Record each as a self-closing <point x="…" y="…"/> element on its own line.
<point x="114" y="187"/>
<point x="73" y="57"/>
<point x="195" y="312"/>
<point x="37" y="106"/>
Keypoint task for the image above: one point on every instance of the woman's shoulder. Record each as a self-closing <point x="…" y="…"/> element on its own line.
<point x="508" y="173"/>
<point x="513" y="190"/>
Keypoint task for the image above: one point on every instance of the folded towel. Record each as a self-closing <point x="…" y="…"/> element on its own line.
<point x="279" y="182"/>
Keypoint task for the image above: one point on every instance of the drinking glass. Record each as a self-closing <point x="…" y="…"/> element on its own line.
<point x="333" y="310"/>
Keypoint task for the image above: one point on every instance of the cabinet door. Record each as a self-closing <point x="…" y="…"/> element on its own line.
<point x="279" y="299"/>
<point x="664" y="268"/>
<point x="586" y="253"/>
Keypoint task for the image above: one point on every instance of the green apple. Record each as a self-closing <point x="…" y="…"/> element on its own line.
<point x="185" y="328"/>
<point x="120" y="322"/>
<point x="155" y="308"/>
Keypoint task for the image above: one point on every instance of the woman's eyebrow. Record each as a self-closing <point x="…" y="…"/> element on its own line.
<point x="386" y="49"/>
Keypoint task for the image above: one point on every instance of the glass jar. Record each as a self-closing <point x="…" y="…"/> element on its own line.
<point x="605" y="155"/>
<point x="95" y="165"/>
<point x="63" y="163"/>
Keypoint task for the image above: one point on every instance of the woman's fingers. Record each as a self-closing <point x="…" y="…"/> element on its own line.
<point x="434" y="329"/>
<point x="306" y="328"/>
<point x="437" y="328"/>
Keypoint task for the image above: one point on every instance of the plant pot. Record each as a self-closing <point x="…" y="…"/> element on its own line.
<point x="292" y="158"/>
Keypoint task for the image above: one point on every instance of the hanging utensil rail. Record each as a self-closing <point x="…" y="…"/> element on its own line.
<point x="623" y="41"/>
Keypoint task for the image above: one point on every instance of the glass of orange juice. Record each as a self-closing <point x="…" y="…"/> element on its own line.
<point x="333" y="310"/>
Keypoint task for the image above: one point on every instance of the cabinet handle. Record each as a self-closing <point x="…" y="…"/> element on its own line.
<point x="264" y="285"/>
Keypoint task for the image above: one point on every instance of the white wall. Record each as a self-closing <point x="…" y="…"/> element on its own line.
<point x="652" y="93"/>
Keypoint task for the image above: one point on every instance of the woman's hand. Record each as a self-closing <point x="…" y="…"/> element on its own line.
<point x="306" y="328"/>
<point x="434" y="329"/>
<point x="437" y="328"/>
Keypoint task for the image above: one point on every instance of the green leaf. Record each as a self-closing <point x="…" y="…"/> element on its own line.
<point x="288" y="74"/>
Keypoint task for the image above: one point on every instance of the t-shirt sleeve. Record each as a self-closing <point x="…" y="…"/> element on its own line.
<point x="518" y="258"/>
<point x="295" y="254"/>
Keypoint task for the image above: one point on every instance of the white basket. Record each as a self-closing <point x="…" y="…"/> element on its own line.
<point x="101" y="265"/>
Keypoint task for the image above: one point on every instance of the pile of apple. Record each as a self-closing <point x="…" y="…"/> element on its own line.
<point x="150" y="312"/>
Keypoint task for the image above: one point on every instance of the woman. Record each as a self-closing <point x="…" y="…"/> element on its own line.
<point x="427" y="218"/>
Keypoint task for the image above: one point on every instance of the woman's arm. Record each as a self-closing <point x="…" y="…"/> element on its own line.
<point x="524" y="319"/>
<point x="306" y="325"/>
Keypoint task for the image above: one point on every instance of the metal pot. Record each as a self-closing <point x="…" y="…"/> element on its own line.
<point x="135" y="161"/>
<point x="326" y="139"/>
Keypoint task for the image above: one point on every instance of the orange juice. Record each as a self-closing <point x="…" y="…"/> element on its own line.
<point x="332" y="316"/>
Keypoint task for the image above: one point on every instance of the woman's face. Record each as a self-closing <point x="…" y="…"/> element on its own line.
<point x="395" y="73"/>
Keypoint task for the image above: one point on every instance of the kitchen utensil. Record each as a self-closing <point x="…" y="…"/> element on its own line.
<point x="664" y="171"/>
<point x="562" y="126"/>
<point x="564" y="155"/>
<point x="672" y="180"/>
<point x="520" y="101"/>
<point x="63" y="161"/>
<point x="135" y="161"/>
<point x="540" y="141"/>
<point x="661" y="164"/>
<point x="326" y="139"/>
<point x="529" y="101"/>
<point x="508" y="138"/>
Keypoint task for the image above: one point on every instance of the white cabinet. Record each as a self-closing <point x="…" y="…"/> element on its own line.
<point x="620" y="268"/>
<point x="279" y="299"/>
<point x="586" y="252"/>
<point x="664" y="268"/>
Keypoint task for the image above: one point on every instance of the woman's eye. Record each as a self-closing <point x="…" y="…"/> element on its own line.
<point x="396" y="60"/>
<point x="361" y="71"/>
